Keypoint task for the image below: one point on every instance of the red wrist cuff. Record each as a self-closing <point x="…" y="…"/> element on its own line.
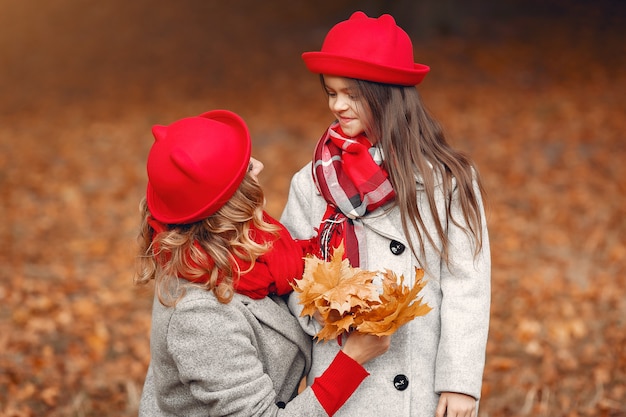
<point x="338" y="382"/>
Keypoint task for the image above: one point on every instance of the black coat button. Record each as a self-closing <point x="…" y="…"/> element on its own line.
<point x="396" y="247"/>
<point x="401" y="382"/>
<point x="281" y="404"/>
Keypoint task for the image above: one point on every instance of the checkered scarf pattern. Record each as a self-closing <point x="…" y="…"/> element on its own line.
<point x="348" y="174"/>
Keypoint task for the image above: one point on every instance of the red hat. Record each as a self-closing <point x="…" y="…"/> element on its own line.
<point x="195" y="165"/>
<point x="368" y="49"/>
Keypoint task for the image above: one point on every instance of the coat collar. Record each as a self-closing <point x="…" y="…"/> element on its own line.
<point x="385" y="223"/>
<point x="273" y="312"/>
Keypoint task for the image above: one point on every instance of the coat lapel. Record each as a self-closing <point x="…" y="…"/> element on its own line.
<point x="273" y="312"/>
<point x="385" y="224"/>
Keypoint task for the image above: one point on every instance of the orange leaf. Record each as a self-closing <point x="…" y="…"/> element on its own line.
<point x="399" y="306"/>
<point x="347" y="298"/>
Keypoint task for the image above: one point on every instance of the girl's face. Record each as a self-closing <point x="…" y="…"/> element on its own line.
<point x="345" y="104"/>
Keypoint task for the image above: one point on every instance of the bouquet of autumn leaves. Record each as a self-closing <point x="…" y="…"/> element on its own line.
<point x="349" y="299"/>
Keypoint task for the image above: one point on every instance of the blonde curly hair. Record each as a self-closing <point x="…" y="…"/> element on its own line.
<point x="221" y="237"/>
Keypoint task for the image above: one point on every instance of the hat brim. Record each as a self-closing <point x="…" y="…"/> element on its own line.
<point x="331" y="64"/>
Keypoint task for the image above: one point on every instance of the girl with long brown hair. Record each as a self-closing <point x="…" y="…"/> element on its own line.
<point x="386" y="184"/>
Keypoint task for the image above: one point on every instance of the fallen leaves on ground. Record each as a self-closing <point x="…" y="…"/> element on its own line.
<point x="536" y="100"/>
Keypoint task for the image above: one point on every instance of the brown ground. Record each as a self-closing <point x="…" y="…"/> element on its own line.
<point x="535" y="96"/>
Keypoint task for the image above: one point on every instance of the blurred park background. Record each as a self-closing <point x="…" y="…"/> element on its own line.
<point x="533" y="90"/>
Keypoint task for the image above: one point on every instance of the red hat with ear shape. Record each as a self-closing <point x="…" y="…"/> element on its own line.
<point x="195" y="166"/>
<point x="368" y="49"/>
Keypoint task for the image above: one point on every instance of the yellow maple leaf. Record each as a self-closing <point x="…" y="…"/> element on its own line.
<point x="399" y="305"/>
<point x="347" y="299"/>
<point x="328" y="332"/>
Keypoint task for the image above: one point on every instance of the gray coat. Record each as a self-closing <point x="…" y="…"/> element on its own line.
<point x="235" y="359"/>
<point x="441" y="351"/>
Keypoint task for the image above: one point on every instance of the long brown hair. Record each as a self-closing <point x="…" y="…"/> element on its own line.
<point x="222" y="236"/>
<point x="414" y="146"/>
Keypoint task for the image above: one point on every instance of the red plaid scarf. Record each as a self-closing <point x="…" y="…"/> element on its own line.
<point x="348" y="174"/>
<point x="272" y="272"/>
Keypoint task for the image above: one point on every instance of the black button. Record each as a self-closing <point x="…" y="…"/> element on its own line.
<point x="401" y="382"/>
<point x="281" y="404"/>
<point x="396" y="247"/>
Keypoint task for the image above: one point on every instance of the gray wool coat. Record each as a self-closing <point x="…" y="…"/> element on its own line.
<point x="443" y="351"/>
<point x="236" y="359"/>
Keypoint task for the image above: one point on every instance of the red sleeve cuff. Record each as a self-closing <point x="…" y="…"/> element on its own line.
<point x="338" y="382"/>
